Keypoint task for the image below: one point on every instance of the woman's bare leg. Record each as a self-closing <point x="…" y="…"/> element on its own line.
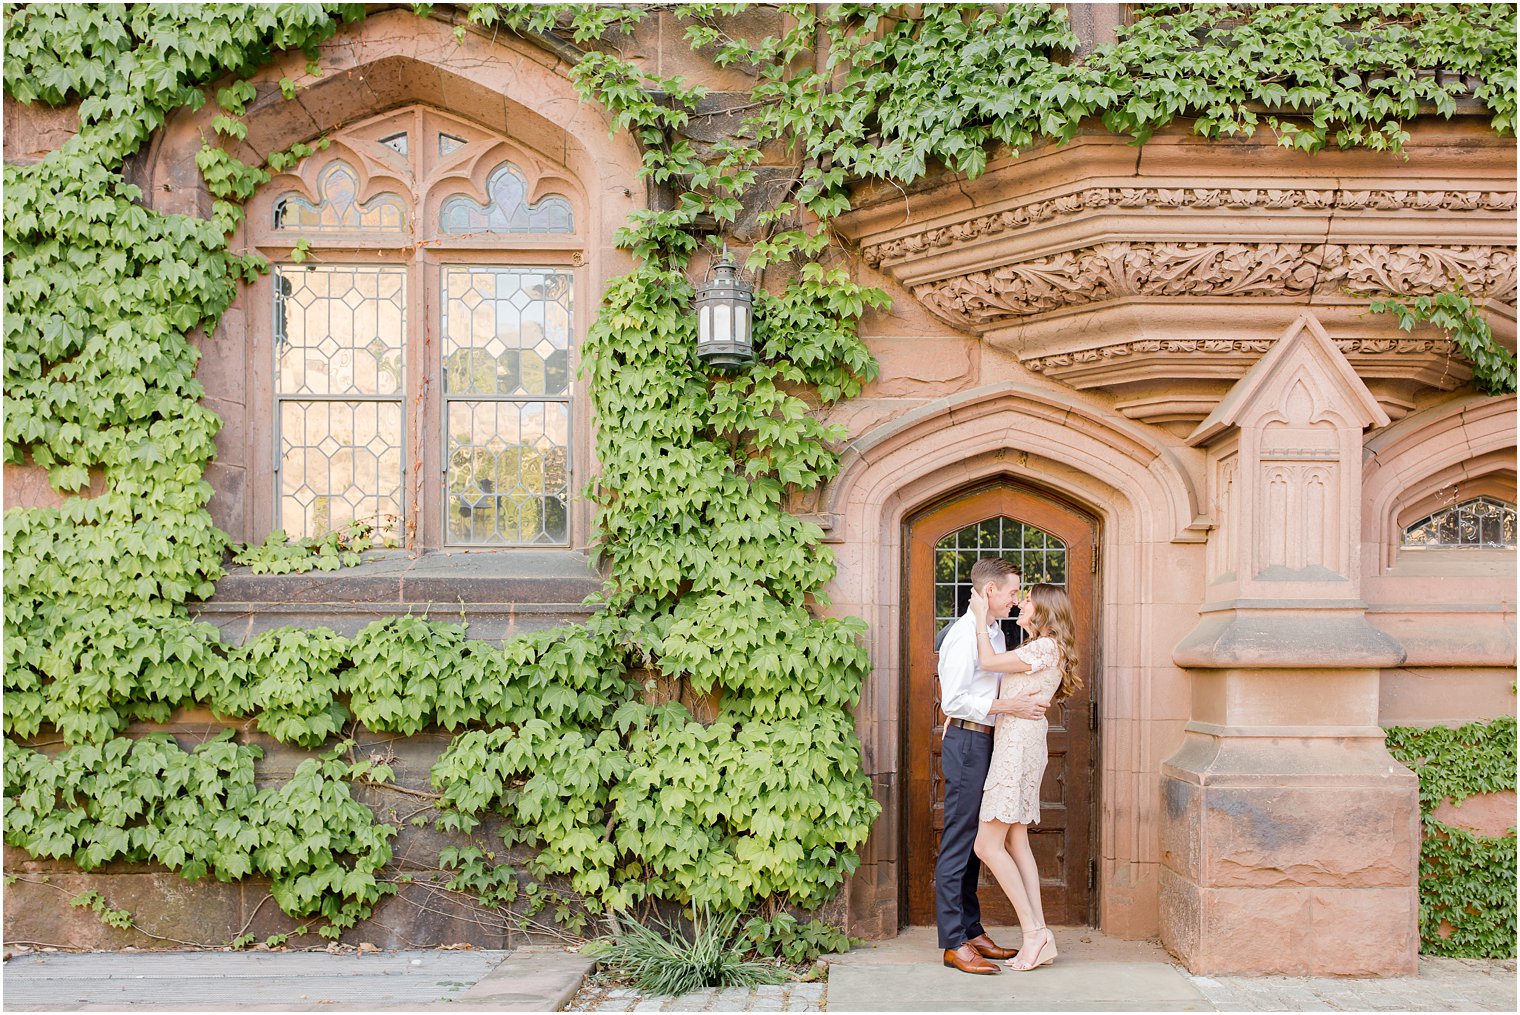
<point x="1023" y="858"/>
<point x="1039" y="945"/>
<point x="991" y="849"/>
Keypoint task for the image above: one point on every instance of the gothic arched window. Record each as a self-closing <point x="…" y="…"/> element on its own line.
<point x="422" y="327"/>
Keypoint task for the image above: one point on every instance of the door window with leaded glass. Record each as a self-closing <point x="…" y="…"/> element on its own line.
<point x="1039" y="556"/>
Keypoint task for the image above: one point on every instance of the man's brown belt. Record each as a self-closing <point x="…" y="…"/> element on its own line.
<point x="975" y="727"/>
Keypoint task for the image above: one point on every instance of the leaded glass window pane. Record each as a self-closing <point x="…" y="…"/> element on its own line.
<point x="340" y="462"/>
<point x="1040" y="557"/>
<point x="339" y="330"/>
<point x="337" y="207"/>
<point x="509" y="475"/>
<point x="506" y="331"/>
<point x="506" y="354"/>
<point x="508" y="210"/>
<point x="340" y="333"/>
<point x="1480" y="523"/>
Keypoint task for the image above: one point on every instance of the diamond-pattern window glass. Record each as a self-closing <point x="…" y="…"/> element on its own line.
<point x="338" y="208"/>
<point x="340" y="461"/>
<point x="339" y="330"/>
<point x="509" y="473"/>
<point x="1040" y="557"/>
<point x="1480" y="523"/>
<point x="506" y="331"/>
<point x="508" y="210"/>
<point x="506" y="387"/>
<point x="340" y="334"/>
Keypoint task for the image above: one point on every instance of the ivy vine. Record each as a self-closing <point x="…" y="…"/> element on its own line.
<point x="1457" y="314"/>
<point x="712" y="580"/>
<point x="1467" y="881"/>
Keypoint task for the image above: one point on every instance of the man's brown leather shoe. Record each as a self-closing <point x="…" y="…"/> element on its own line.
<point x="978" y="965"/>
<point x="987" y="949"/>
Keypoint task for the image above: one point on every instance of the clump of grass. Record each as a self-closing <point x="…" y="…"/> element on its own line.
<point x="660" y="959"/>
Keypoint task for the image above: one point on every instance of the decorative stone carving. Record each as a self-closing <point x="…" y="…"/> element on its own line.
<point x="1235" y="347"/>
<point x="1199" y="198"/>
<point x="1290" y="435"/>
<point x="980" y="300"/>
<point x="1284" y="619"/>
<point x="1157" y="276"/>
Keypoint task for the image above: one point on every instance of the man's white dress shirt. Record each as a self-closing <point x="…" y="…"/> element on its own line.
<point x="966" y="691"/>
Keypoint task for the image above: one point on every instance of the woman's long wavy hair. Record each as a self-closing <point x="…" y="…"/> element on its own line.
<point x="1051" y="617"/>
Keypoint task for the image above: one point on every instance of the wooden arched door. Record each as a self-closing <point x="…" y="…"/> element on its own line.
<point x="1051" y="542"/>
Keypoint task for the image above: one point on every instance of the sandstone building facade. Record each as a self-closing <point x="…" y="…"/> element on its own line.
<point x="1146" y="372"/>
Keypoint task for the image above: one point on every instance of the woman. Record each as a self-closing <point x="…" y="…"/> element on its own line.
<point x="1011" y="798"/>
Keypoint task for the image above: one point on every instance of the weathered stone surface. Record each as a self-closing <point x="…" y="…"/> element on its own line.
<point x="561" y="577"/>
<point x="1294" y="932"/>
<point x="419" y="915"/>
<point x="28" y="486"/>
<point x="920" y="366"/>
<point x="1491" y="814"/>
<point x="170" y="911"/>
<point x="33" y="131"/>
<point x="1344" y="836"/>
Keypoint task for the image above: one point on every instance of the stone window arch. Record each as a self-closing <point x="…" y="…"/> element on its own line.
<point x="419" y="329"/>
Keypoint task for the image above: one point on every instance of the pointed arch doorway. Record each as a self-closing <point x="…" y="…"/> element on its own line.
<point x="1051" y="541"/>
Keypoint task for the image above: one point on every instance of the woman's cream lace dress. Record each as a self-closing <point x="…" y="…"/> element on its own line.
<point x="1012" y="791"/>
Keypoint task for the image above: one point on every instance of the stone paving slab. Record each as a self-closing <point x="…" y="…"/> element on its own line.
<point x="1062" y="986"/>
<point x="526" y="979"/>
<point x="784" y="997"/>
<point x="1442" y="985"/>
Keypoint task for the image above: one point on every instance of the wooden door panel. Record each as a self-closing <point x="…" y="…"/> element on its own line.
<point x="1062" y="840"/>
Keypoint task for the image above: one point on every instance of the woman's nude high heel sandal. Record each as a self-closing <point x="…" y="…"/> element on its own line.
<point x="1041" y="954"/>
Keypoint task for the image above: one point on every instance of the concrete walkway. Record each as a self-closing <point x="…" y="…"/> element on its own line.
<point x="1095" y="973"/>
<point x="526" y="979"/>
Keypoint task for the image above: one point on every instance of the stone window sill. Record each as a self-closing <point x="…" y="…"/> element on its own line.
<point x="550" y="577"/>
<point x="497" y="593"/>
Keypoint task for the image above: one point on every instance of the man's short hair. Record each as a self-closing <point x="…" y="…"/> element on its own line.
<point x="992" y="569"/>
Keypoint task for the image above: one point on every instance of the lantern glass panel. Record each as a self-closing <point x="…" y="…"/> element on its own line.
<point x="723" y="323"/>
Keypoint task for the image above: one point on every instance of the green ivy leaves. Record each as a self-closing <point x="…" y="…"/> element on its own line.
<point x="1455" y="313"/>
<point x="712" y="580"/>
<point x="199" y="813"/>
<point x="1467" y="881"/>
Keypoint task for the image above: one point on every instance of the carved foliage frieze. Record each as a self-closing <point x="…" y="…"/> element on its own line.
<point x="1248" y="348"/>
<point x="1107" y="271"/>
<point x="1196" y="198"/>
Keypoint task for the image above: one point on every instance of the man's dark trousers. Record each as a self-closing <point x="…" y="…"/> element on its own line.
<point x="964" y="759"/>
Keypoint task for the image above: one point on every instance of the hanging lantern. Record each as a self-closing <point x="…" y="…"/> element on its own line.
<point x="725" y="310"/>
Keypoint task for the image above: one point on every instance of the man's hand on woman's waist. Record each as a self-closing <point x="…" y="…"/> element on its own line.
<point x="1027" y="704"/>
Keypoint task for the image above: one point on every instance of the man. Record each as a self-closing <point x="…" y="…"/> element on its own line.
<point x="968" y="696"/>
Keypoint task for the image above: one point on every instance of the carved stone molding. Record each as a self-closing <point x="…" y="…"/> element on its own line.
<point x="1196" y="198"/>
<point x="981" y="300"/>
<point x="1351" y="347"/>
<point x="1157" y="276"/>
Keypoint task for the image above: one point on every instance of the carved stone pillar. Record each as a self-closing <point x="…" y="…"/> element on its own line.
<point x="1290" y="837"/>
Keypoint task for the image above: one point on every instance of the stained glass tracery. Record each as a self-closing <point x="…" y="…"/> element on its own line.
<point x="1479" y="523"/>
<point x="508" y="210"/>
<point x="338" y="208"/>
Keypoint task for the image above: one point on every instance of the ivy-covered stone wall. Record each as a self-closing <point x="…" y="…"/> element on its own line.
<point x="544" y="784"/>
